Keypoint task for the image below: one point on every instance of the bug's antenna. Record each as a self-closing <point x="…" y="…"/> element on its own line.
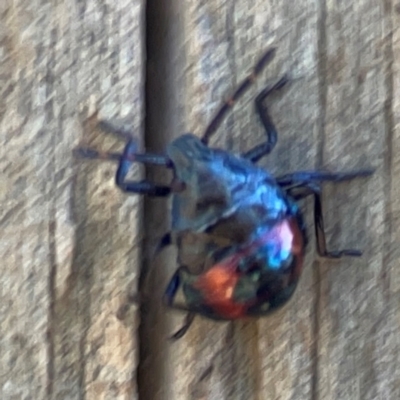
<point x="241" y="89"/>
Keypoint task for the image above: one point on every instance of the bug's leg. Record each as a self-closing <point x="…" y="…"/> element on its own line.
<point x="127" y="136"/>
<point x="301" y="177"/>
<point x="164" y="242"/>
<point x="173" y="287"/>
<point x="241" y="89"/>
<point x="301" y="191"/>
<point x="146" y="158"/>
<point x="109" y="127"/>
<point x="265" y="148"/>
<point x="185" y="327"/>
<point x="141" y="187"/>
<point x="168" y="298"/>
<point x="126" y="159"/>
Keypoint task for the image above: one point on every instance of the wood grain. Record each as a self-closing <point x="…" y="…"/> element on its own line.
<point x="71" y="241"/>
<point x="336" y="339"/>
<point x="67" y="257"/>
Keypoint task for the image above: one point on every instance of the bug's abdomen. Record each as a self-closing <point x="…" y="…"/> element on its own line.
<point x="217" y="287"/>
<point x="254" y="278"/>
<point x="284" y="252"/>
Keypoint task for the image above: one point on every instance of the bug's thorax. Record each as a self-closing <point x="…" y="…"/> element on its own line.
<point x="217" y="185"/>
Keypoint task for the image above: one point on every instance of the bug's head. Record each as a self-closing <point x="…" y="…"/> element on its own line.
<point x="198" y="169"/>
<point x="187" y="150"/>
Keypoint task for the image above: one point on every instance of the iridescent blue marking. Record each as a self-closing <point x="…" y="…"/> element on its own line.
<point x="223" y="183"/>
<point x="276" y="245"/>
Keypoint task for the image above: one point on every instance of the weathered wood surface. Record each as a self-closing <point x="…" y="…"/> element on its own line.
<point x="68" y="242"/>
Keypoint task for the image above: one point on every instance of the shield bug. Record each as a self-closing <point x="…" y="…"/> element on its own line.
<point x="239" y="231"/>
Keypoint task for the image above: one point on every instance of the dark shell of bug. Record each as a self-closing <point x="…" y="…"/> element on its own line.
<point x="241" y="237"/>
<point x="251" y="279"/>
<point x="221" y="186"/>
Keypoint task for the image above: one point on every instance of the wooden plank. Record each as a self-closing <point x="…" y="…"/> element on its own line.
<point x="358" y="314"/>
<point x="248" y="357"/>
<point x="337" y="338"/>
<point x="68" y="237"/>
<point x="222" y="41"/>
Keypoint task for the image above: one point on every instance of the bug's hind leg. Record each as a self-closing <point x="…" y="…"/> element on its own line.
<point x="185" y="327"/>
<point x="306" y="189"/>
<point x="125" y="161"/>
<point x="265" y="148"/>
<point x="168" y="300"/>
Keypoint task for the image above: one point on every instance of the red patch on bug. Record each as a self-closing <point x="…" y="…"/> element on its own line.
<point x="219" y="282"/>
<point x="218" y="285"/>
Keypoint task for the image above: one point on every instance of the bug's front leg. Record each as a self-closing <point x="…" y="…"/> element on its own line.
<point x="140" y="187"/>
<point x="265" y="148"/>
<point x="125" y="161"/>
